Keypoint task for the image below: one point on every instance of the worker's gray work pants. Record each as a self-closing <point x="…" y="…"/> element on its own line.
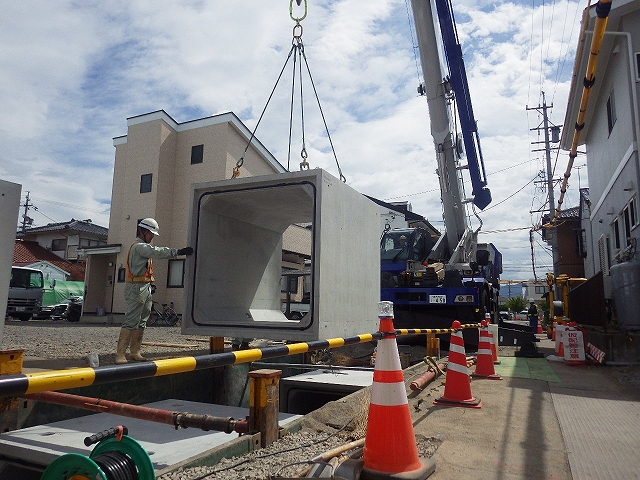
<point x="138" y="298"/>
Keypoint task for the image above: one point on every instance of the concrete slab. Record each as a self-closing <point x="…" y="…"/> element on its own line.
<point x="233" y="280"/>
<point x="602" y="436"/>
<point x="579" y="422"/>
<point x="599" y="416"/>
<point x="165" y="445"/>
<point x="299" y="393"/>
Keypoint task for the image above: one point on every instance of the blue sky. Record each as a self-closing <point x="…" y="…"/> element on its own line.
<point x="73" y="72"/>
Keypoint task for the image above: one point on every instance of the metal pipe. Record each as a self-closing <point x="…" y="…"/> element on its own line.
<point x="602" y="10"/>
<point x="426" y="378"/>
<point x="167" y="417"/>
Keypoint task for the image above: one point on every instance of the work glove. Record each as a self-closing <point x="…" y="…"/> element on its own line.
<point x="185" y="251"/>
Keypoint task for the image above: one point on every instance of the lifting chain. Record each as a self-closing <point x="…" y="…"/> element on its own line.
<point x="297" y="51"/>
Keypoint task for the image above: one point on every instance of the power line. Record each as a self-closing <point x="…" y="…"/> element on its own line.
<point x="512" y="195"/>
<point x="77" y="207"/>
<point x="505" y="230"/>
<point x="437" y="189"/>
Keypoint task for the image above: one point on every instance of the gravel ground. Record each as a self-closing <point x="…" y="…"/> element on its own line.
<point x="284" y="459"/>
<point x="70" y="343"/>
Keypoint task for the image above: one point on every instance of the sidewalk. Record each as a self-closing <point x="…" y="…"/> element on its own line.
<point x="545" y="420"/>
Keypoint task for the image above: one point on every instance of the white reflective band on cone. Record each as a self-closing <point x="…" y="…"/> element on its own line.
<point x="457" y="348"/>
<point x="390" y="360"/>
<point x="458" y="368"/>
<point x="484" y="351"/>
<point x="389" y="394"/>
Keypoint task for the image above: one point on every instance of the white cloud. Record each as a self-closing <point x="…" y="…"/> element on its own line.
<point x="74" y="71"/>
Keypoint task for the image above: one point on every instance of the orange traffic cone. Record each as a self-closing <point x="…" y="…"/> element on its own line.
<point x="540" y="326"/>
<point x="484" y="363"/>
<point x="560" y="333"/>
<point x="390" y="449"/>
<point x="457" y="387"/>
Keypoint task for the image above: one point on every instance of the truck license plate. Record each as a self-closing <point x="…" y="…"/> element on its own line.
<point x="437" y="299"/>
<point x="20" y="309"/>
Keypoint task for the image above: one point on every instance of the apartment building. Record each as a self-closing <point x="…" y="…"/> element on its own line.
<point x="155" y="164"/>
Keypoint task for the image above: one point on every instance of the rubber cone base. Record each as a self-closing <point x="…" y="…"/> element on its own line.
<point x="427" y="468"/>
<point x="473" y="402"/>
<point x="493" y="376"/>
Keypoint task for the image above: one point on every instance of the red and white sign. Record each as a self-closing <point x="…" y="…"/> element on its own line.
<point x="573" y="346"/>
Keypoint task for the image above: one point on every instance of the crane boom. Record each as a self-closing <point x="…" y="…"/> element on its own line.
<point x="442" y="84"/>
<point x="457" y="277"/>
<point x="437" y="90"/>
<point x="468" y="124"/>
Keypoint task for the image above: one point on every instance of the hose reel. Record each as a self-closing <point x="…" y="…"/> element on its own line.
<point x="116" y="457"/>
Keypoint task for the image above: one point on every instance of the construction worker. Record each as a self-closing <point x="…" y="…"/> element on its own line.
<point x="532" y="314"/>
<point x="137" y="291"/>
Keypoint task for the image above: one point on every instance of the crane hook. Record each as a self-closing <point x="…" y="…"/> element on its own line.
<point x="297" y="19"/>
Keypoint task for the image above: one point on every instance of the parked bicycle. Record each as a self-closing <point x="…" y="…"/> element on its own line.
<point x="165" y="316"/>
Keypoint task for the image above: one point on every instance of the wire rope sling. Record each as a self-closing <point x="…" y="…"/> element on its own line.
<point x="116" y="457"/>
<point x="299" y="57"/>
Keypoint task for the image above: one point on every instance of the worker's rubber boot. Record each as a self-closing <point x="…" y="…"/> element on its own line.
<point x="123" y="343"/>
<point x="136" y="342"/>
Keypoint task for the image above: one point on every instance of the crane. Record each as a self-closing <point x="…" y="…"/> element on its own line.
<point x="430" y="283"/>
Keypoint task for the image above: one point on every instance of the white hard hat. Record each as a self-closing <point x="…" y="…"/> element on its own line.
<point x="150" y="224"/>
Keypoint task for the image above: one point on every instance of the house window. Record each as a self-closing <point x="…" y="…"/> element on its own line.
<point x="175" y="276"/>
<point x="611" y="111"/>
<point x="616" y="234"/>
<point x="637" y="55"/>
<point x="540" y="290"/>
<point x="122" y="272"/>
<point x="145" y="182"/>
<point x="90" y="242"/>
<point x="626" y="216"/>
<point x="197" y="154"/>
<point x="59" y="244"/>
<point x="630" y="211"/>
<point x="581" y="243"/>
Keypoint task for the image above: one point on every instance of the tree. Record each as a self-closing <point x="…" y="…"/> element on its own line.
<point x="516" y="304"/>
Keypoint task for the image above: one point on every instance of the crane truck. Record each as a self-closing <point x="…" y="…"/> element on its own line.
<point x="432" y="279"/>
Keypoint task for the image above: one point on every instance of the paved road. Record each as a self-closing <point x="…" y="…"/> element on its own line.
<point x="577" y="422"/>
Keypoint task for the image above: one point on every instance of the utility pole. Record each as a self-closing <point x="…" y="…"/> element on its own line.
<point x="26" y="219"/>
<point x="542" y="109"/>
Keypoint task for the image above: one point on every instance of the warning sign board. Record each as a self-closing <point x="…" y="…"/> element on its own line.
<point x="573" y="346"/>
